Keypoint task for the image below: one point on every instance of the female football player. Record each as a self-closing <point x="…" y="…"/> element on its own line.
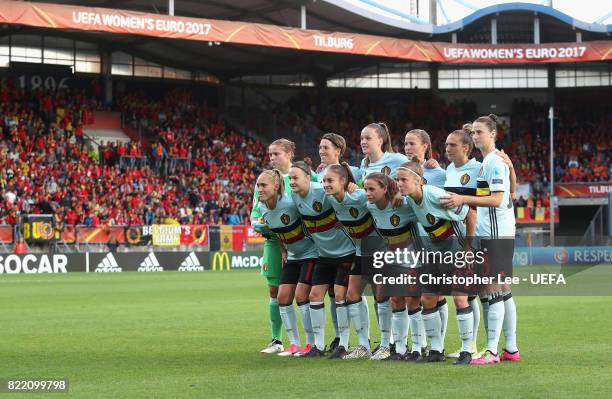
<point x="378" y="151"/>
<point x="281" y="154"/>
<point x="496" y="229"/>
<point x="446" y="233"/>
<point x="298" y="252"/>
<point x="331" y="150"/>
<point x="461" y="177"/>
<point x="336" y="255"/>
<point x="398" y="227"/>
<point x="351" y="209"/>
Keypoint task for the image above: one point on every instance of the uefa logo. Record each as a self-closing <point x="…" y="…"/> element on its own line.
<point x="562" y="256"/>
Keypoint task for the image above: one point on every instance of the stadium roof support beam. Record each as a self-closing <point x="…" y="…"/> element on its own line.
<point x="493" y="30"/>
<point x="433" y="12"/>
<point x="536" y="30"/>
<point x="171" y="7"/>
<point x="303" y="16"/>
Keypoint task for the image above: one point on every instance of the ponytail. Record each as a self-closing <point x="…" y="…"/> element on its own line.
<point x="382" y="130"/>
<point x="344" y="171"/>
<point x="425" y="139"/>
<point x="277" y="178"/>
<point x="465" y="135"/>
<point x="490" y="121"/>
<point x="281" y="182"/>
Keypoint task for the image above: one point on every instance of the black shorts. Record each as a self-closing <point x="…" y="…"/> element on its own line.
<point x="328" y="271"/>
<point x="431" y="275"/>
<point x="295" y="271"/>
<point x="362" y="265"/>
<point x="498" y="257"/>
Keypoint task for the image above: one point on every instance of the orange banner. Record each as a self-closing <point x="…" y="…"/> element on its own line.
<point x="602" y="189"/>
<point x="100" y="235"/>
<point x="137" y="23"/>
<point x="194" y="234"/>
<point x="6" y="234"/>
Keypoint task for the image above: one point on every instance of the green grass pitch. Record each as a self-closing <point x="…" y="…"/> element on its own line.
<point x="198" y="335"/>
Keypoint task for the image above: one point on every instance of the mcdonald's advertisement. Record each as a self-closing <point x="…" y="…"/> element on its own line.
<point x="227" y="260"/>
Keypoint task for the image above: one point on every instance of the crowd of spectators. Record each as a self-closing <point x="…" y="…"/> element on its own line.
<point x="197" y="171"/>
<point x="582" y="149"/>
<point x="191" y="167"/>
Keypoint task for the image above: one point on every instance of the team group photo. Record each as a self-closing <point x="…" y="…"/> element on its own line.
<point x="305" y="198"/>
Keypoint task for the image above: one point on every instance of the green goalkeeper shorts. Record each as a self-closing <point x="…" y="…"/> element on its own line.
<point x="272" y="262"/>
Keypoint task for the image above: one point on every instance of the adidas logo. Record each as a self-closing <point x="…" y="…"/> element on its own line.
<point x="191" y="264"/>
<point x="150" y="264"/>
<point x="108" y="265"/>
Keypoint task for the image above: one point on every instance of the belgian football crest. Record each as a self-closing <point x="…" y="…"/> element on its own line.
<point x="354" y="212"/>
<point x="465" y="179"/>
<point x="394" y="220"/>
<point x="424" y="180"/>
<point x="317" y="206"/>
<point x="480" y="172"/>
<point x="285" y="219"/>
<point x="386" y="170"/>
<point x="430" y="218"/>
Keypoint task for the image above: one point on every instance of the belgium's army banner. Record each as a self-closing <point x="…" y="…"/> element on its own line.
<point x="54" y="16"/>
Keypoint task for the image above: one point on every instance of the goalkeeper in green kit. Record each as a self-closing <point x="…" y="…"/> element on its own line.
<point x="281" y="154"/>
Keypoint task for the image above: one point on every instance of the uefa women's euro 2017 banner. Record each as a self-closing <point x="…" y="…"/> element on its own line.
<point x="54" y="16"/>
<point x="601" y="189"/>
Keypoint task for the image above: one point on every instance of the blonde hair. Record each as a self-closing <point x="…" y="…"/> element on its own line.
<point x="414" y="166"/>
<point x="276" y="177"/>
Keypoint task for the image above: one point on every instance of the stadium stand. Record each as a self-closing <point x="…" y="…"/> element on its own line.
<point x="50" y="166"/>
